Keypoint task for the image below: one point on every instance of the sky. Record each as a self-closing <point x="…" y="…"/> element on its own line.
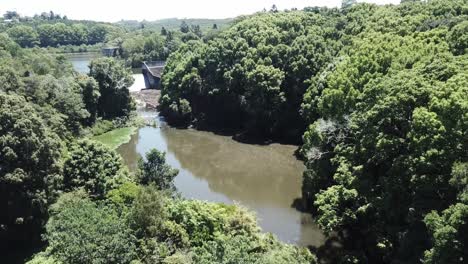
<point x="114" y="10"/>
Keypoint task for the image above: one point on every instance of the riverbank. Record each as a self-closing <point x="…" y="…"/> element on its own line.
<point x="114" y="138"/>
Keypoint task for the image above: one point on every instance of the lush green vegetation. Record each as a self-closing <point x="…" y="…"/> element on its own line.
<point x="173" y="24"/>
<point x="139" y="221"/>
<point x="53" y="30"/>
<point x="44" y="106"/>
<point x="252" y="76"/>
<point x="71" y="200"/>
<point x="379" y="94"/>
<point x="156" y="43"/>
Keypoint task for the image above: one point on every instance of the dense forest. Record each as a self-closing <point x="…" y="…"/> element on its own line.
<point x="136" y="41"/>
<point x="67" y="198"/>
<point x="173" y="24"/>
<point x="52" y="30"/>
<point x="378" y="95"/>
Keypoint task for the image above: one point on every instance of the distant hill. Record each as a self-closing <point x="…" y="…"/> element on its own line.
<point x="174" y="23"/>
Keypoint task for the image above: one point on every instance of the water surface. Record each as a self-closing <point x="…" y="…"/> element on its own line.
<point x="80" y="61"/>
<point x="266" y="179"/>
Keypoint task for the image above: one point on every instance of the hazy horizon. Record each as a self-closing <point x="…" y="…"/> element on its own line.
<point x="113" y="11"/>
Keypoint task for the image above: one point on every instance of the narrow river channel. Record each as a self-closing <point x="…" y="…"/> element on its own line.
<point x="264" y="178"/>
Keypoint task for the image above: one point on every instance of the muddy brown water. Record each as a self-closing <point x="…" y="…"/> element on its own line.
<point x="264" y="178"/>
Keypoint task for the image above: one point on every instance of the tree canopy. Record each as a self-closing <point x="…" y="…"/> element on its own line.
<point x="379" y="95"/>
<point x="113" y="80"/>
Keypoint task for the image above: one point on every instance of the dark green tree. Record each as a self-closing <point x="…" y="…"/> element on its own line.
<point x="448" y="232"/>
<point x="154" y="170"/>
<point x="9" y="80"/>
<point x="25" y="36"/>
<point x="458" y="38"/>
<point x="93" y="167"/>
<point x="163" y="31"/>
<point x="184" y="27"/>
<point x="29" y="168"/>
<point x="81" y="231"/>
<point x="90" y="92"/>
<point x="11" y="15"/>
<point x="113" y="80"/>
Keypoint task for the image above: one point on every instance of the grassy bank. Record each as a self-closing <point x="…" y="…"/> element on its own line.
<point x="116" y="137"/>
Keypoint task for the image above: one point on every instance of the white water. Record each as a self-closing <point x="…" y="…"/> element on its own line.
<point x="138" y="84"/>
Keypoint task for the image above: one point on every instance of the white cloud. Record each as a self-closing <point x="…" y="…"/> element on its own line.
<point x="107" y="10"/>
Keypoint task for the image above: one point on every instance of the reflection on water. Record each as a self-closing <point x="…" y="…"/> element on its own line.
<point x="80" y="61"/>
<point x="216" y="168"/>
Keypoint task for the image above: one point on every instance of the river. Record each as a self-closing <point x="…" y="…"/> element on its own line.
<point x="264" y="178"/>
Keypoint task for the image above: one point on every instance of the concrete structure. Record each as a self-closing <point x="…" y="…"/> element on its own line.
<point x="152" y="72"/>
<point x="110" y="51"/>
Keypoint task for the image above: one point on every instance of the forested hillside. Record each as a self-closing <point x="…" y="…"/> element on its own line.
<point x="52" y="30"/>
<point x="66" y="198"/>
<point x="379" y="95"/>
<point x="174" y="23"/>
<point x="137" y="41"/>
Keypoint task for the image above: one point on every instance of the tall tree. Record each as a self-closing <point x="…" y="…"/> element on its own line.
<point x="29" y="168"/>
<point x="154" y="170"/>
<point x="25" y="36"/>
<point x="113" y="80"/>
<point x="184" y="27"/>
<point x="93" y="167"/>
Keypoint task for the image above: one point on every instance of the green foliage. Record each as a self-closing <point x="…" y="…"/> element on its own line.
<point x="242" y="249"/>
<point x="81" y="231"/>
<point x="458" y="38"/>
<point x="141" y="224"/>
<point x="29" y="167"/>
<point x="94" y="167"/>
<point x="125" y="194"/>
<point x="459" y="180"/>
<point x="250" y="77"/>
<point x="148" y="212"/>
<point x="8" y="46"/>
<point x="42" y="258"/>
<point x="204" y="221"/>
<point x="173" y="24"/>
<point x="64" y="94"/>
<point x="25" y="36"/>
<point x="90" y="93"/>
<point x="56" y="32"/>
<point x="154" y="170"/>
<point x="387" y="139"/>
<point x="113" y="80"/>
<point x="9" y="79"/>
<point x="448" y="232"/>
<point x="102" y="126"/>
<point x="138" y="47"/>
